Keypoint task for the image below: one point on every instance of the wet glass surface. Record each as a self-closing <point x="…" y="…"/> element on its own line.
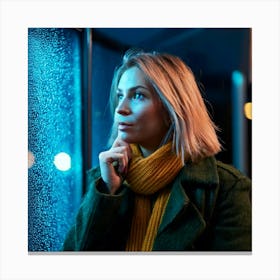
<point x="54" y="135"/>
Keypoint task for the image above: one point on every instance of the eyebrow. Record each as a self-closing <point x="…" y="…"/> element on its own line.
<point x="134" y="88"/>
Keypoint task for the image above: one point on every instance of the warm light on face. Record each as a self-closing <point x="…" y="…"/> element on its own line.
<point x="139" y="114"/>
<point x="248" y="110"/>
<point x="62" y="161"/>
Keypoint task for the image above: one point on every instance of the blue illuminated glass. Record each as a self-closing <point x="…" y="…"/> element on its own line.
<point x="54" y="135"/>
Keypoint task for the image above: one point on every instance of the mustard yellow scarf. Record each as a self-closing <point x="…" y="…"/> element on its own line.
<point x="148" y="176"/>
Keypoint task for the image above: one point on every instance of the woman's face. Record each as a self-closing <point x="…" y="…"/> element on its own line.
<point x="139" y="115"/>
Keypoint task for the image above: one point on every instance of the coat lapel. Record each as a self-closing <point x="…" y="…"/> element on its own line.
<point x="183" y="222"/>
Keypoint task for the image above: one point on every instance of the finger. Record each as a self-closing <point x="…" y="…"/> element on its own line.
<point x="126" y="150"/>
<point x="118" y="161"/>
<point x="110" y="157"/>
<point x="122" y="149"/>
<point x="117" y="158"/>
<point x="122" y="163"/>
<point x="119" y="142"/>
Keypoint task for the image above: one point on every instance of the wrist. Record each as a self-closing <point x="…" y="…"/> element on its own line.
<point x="113" y="189"/>
<point x="108" y="188"/>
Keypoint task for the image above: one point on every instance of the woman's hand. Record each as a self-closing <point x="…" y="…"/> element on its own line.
<point x="114" y="164"/>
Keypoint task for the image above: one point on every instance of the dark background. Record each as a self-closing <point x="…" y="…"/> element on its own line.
<point x="212" y="53"/>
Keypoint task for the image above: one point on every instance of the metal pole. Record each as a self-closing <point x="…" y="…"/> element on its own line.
<point x="86" y="99"/>
<point x="239" y="136"/>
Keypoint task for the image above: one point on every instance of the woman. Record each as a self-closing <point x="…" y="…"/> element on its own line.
<point x="158" y="187"/>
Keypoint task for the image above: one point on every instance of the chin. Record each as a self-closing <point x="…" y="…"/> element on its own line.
<point x="126" y="138"/>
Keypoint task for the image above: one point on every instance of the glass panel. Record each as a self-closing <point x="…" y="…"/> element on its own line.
<point x="104" y="62"/>
<point x="54" y="135"/>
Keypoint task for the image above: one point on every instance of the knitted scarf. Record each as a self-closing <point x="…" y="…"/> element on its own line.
<point x="148" y="176"/>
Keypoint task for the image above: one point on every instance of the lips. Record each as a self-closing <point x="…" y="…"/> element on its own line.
<point x="124" y="125"/>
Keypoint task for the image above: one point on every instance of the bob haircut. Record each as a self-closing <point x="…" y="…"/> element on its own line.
<point x="191" y="130"/>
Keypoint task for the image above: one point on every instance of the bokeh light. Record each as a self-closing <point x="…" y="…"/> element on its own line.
<point x="248" y="110"/>
<point x="62" y="161"/>
<point x="238" y="78"/>
<point x="31" y="159"/>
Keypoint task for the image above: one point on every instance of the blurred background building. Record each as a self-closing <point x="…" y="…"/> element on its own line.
<point x="69" y="77"/>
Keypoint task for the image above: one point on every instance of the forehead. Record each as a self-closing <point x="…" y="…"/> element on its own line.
<point x="132" y="77"/>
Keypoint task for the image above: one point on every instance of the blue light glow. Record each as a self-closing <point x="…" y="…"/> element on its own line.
<point x="54" y="126"/>
<point x="62" y="161"/>
<point x="237" y="77"/>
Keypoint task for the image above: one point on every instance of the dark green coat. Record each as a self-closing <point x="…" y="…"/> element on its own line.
<point x="209" y="210"/>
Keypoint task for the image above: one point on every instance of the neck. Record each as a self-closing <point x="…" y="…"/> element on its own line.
<point x="146" y="151"/>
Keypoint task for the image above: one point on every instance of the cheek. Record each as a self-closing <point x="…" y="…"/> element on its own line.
<point x="152" y="119"/>
<point x="145" y="114"/>
<point x="151" y="116"/>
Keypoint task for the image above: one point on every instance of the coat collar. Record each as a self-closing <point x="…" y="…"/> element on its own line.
<point x="203" y="173"/>
<point x="182" y="222"/>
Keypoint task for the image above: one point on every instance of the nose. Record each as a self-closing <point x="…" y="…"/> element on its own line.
<point x="123" y="107"/>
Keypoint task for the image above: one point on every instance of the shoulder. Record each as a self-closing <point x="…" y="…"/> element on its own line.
<point x="210" y="173"/>
<point x="228" y="169"/>
<point x="228" y="173"/>
<point x="233" y="184"/>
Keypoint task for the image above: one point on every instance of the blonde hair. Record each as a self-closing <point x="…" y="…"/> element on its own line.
<point x="193" y="132"/>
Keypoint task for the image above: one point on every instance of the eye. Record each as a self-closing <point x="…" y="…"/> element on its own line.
<point x="119" y="96"/>
<point x="138" y="95"/>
